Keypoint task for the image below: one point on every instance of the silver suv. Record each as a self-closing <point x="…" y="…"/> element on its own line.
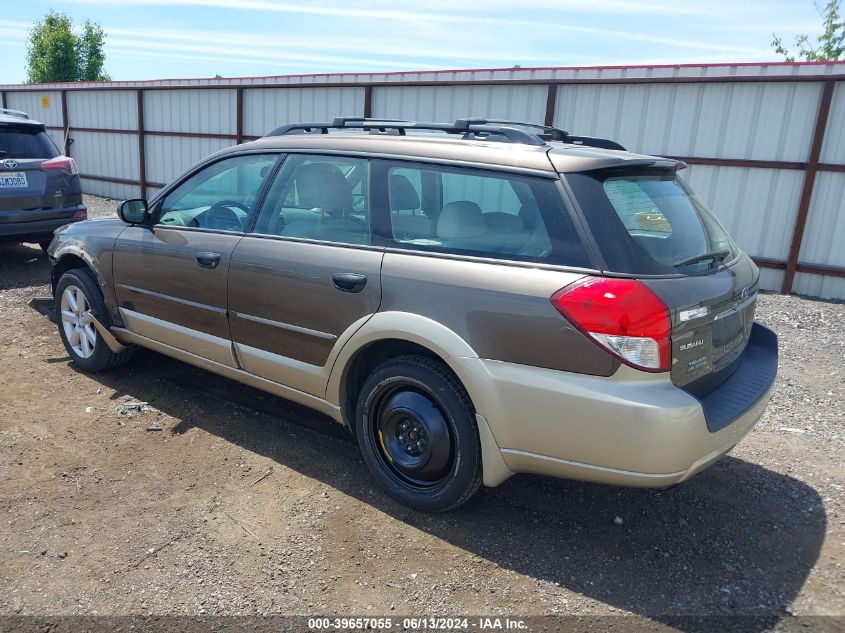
<point x="471" y="300"/>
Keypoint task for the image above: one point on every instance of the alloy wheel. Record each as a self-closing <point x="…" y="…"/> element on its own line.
<point x="78" y="322"/>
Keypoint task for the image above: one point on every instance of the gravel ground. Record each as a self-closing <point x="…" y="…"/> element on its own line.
<point x="247" y="504"/>
<point x="100" y="207"/>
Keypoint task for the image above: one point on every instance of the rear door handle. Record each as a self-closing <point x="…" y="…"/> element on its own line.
<point x="208" y="260"/>
<point x="349" y="282"/>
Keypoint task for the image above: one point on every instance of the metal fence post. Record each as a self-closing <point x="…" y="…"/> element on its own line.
<point x="65" y="125"/>
<point x="239" y="116"/>
<point x="368" y="102"/>
<point x="142" y="149"/>
<point x="551" y="100"/>
<point x="807" y="188"/>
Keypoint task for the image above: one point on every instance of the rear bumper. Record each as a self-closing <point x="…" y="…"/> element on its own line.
<point x="632" y="428"/>
<point x="24" y="226"/>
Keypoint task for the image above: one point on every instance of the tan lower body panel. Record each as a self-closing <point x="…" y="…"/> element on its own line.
<point x="281" y="369"/>
<point x="214" y="348"/>
<point x="628" y="429"/>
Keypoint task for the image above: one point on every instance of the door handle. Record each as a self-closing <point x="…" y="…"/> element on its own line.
<point x="349" y="282"/>
<point x="208" y="260"/>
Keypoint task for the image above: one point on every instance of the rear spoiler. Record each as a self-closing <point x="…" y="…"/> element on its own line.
<point x="667" y="164"/>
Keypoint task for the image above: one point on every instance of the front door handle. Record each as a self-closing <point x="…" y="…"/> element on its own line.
<point x="349" y="282"/>
<point x="208" y="260"/>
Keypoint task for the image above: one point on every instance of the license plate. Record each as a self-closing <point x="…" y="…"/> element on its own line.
<point x="12" y="179"/>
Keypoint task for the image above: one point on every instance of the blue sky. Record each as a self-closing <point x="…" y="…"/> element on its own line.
<point x="149" y="39"/>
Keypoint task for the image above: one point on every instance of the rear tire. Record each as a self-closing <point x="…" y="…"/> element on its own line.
<point x="77" y="298"/>
<point x="416" y="429"/>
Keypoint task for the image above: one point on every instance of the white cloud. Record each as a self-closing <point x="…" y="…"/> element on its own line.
<point x="385" y="46"/>
<point x="423" y="51"/>
<point x="444" y="10"/>
<point x="257" y="53"/>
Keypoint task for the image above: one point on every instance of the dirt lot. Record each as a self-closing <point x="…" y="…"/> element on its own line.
<point x="101" y="516"/>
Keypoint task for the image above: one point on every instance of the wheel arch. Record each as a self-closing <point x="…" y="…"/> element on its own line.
<point x="70" y="256"/>
<point x="391" y="334"/>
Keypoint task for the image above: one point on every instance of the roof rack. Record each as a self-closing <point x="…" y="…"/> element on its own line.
<point x="15" y="113"/>
<point x="468" y="128"/>
<point x="551" y="133"/>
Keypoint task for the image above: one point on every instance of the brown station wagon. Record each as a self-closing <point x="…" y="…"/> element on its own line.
<point x="471" y="300"/>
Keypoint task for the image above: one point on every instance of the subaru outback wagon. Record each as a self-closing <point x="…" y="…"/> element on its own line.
<point x="471" y="300"/>
<point x="39" y="187"/>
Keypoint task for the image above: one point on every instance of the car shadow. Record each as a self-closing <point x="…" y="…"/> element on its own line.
<point x="23" y="265"/>
<point x="737" y="540"/>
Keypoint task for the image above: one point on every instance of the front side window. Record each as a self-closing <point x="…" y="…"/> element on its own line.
<point x="220" y="196"/>
<point x="319" y="197"/>
<point x="481" y="213"/>
<point x="647" y="221"/>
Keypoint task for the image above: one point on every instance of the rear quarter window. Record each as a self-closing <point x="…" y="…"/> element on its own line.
<point x="18" y="141"/>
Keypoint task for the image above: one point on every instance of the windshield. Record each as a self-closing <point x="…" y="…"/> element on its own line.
<point x="649" y="222"/>
<point x="25" y="141"/>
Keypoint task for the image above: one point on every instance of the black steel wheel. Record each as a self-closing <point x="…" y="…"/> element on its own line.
<point x="417" y="432"/>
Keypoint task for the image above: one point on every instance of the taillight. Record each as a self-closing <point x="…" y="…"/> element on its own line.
<point x="623" y="316"/>
<point x="64" y="163"/>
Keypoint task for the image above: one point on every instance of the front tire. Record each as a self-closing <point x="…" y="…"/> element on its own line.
<point x="416" y="428"/>
<point x="78" y="299"/>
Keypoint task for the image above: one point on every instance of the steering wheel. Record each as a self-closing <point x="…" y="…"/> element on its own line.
<point x="231" y="203"/>
<point x="221" y="216"/>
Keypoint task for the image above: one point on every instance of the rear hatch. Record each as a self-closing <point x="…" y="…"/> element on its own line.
<point x="28" y="192"/>
<point x="647" y="224"/>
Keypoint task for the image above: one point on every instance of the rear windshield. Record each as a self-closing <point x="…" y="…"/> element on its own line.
<point x="19" y="141"/>
<point x="649" y="222"/>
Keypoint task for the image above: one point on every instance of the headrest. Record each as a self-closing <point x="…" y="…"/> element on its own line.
<point x="501" y="222"/>
<point x="323" y="186"/>
<point x="403" y="196"/>
<point x="530" y="216"/>
<point x="459" y="220"/>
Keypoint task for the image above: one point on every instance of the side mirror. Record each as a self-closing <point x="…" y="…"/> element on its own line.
<point x="132" y="211"/>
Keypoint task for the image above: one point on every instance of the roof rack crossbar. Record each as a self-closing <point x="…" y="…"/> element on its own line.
<point x="548" y="132"/>
<point x="551" y="133"/>
<point x="14" y="113"/>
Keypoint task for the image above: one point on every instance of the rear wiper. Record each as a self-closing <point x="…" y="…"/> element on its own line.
<point x="3" y="152"/>
<point x="714" y="255"/>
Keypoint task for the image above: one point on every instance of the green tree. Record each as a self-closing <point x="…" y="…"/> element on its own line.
<point x="830" y="45"/>
<point x="91" y="54"/>
<point x="56" y="53"/>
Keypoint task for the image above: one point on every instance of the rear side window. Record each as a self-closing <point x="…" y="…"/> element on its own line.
<point x="25" y="141"/>
<point x="481" y="213"/>
<point x="322" y="198"/>
<point x="648" y="222"/>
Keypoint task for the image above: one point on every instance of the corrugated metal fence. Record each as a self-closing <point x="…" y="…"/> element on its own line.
<point x="765" y="142"/>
